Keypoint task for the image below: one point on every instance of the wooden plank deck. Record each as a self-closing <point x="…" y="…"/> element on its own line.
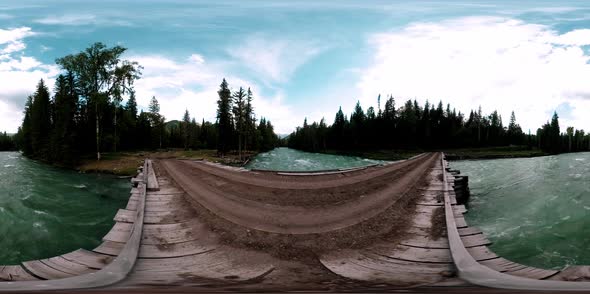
<point x="15" y="273"/>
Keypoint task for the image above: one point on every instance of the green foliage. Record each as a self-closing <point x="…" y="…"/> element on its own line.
<point x="7" y="142"/>
<point x="86" y="115"/>
<point x="414" y="127"/>
<point x="224" y="118"/>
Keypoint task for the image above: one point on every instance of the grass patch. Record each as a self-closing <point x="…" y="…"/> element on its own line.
<point x="126" y="163"/>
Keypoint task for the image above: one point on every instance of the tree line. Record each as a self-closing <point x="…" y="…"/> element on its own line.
<point x="86" y="115"/>
<point x="7" y="142"/>
<point x="429" y="127"/>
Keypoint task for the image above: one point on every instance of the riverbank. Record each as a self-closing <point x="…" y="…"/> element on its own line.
<point x="493" y="153"/>
<point x="451" y="154"/>
<point x="126" y="163"/>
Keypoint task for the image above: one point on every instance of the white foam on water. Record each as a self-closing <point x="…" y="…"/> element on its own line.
<point x="8" y="165"/>
<point x="39" y="212"/>
<point x="81" y="186"/>
<point x="580" y="159"/>
<point x="587" y="207"/>
<point x="565" y="217"/>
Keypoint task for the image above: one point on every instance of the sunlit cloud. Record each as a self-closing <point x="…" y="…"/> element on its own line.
<point x="18" y="75"/>
<point x="274" y="60"/>
<point x="497" y="63"/>
<point x="192" y="84"/>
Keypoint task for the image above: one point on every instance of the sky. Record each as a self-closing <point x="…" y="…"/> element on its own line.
<point x="305" y="58"/>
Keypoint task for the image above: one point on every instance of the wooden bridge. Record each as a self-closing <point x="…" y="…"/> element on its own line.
<point x="204" y="226"/>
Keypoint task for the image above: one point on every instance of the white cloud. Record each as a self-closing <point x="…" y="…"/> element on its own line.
<point x="498" y="63"/>
<point x="19" y="75"/>
<point x="192" y="84"/>
<point x="274" y="60"/>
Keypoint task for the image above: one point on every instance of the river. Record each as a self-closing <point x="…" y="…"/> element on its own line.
<point x="47" y="211"/>
<point x="287" y="159"/>
<point x="536" y="211"/>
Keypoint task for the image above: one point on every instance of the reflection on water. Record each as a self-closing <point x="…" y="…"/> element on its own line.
<point x="535" y="210"/>
<point x="46" y="211"/>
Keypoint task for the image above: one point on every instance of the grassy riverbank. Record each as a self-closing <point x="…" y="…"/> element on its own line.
<point x="126" y="163"/>
<point x="452" y="154"/>
<point x="493" y="152"/>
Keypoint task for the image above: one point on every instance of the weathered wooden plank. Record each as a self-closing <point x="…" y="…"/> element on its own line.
<point x="429" y="209"/>
<point x="44" y="271"/>
<point x="160" y="197"/>
<point x="229" y="264"/>
<point x="157" y="233"/>
<point x="533" y="273"/>
<point x="155" y="217"/>
<point x="480" y="253"/>
<point x="163" y="191"/>
<point x="15" y="273"/>
<point x="426" y="242"/>
<point x="157" y="251"/>
<point x="502" y="265"/>
<point x="87" y="258"/>
<point x="468" y="231"/>
<point x="415" y="254"/>
<point x="475" y="240"/>
<point x="152" y="180"/>
<point x="66" y="266"/>
<point x="460" y="221"/>
<point x="360" y="265"/>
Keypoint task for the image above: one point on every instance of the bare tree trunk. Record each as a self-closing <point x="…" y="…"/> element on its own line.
<point x="240" y="146"/>
<point x="115" y="141"/>
<point x="97" y="132"/>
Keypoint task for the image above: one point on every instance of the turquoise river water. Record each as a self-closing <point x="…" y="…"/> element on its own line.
<point x="46" y="211"/>
<point x="535" y="210"/>
<point x="294" y="160"/>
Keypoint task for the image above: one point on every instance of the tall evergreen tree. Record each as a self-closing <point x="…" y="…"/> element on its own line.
<point x="239" y="112"/>
<point x="224" y="118"/>
<point x="156" y="120"/>
<point x="64" y="129"/>
<point x="41" y="122"/>
<point x="185" y="129"/>
<point x="250" y="121"/>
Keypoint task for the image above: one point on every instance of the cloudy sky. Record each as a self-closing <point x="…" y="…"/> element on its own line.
<point x="305" y="58"/>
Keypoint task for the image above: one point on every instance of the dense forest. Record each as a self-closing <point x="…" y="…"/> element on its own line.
<point x="86" y="115"/>
<point x="7" y="142"/>
<point x="429" y="127"/>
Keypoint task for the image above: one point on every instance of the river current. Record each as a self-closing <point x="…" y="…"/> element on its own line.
<point x="47" y="211"/>
<point x="536" y="211"/>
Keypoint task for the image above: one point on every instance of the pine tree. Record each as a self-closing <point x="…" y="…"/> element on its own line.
<point x="185" y="129"/>
<point x="250" y="121"/>
<point x="41" y="122"/>
<point x="27" y="128"/>
<point x="63" y="134"/>
<point x="239" y="112"/>
<point x="156" y="120"/>
<point x="224" y="118"/>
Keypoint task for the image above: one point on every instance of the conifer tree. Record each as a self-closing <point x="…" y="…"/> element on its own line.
<point x="41" y="122"/>
<point x="239" y="112"/>
<point x="224" y="118"/>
